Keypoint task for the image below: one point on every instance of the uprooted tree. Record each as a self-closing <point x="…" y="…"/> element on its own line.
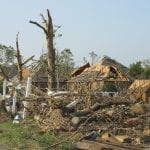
<point x="47" y="27"/>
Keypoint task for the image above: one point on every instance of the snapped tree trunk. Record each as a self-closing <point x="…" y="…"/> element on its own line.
<point x="19" y="60"/>
<point x="47" y="27"/>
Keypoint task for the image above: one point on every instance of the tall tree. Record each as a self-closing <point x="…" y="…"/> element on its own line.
<point x="47" y="27"/>
<point x="7" y="54"/>
<point x="140" y="69"/>
<point x="146" y="65"/>
<point x="136" y="70"/>
<point x="64" y="64"/>
<point x="146" y="62"/>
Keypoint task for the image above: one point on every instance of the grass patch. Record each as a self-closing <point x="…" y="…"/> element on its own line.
<point x="27" y="136"/>
<point x="14" y="136"/>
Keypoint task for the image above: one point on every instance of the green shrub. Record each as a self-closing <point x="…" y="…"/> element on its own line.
<point x="109" y="87"/>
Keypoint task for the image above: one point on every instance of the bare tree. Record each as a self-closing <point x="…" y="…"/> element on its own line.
<point x="93" y="57"/>
<point x="19" y="59"/>
<point x="47" y="27"/>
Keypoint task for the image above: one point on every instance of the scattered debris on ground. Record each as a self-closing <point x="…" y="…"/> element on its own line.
<point x="117" y="122"/>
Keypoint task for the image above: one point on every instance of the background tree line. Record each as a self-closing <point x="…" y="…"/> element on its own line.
<point x="64" y="63"/>
<point x="140" y="69"/>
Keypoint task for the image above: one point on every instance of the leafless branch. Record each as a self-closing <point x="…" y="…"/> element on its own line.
<point x="40" y="26"/>
<point x="26" y="61"/>
<point x="43" y="18"/>
<point x="17" y="44"/>
<point x="50" y="26"/>
<point x="48" y="13"/>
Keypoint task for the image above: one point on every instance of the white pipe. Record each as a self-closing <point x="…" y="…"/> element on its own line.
<point x="14" y="108"/>
<point x="28" y="90"/>
<point x="4" y="88"/>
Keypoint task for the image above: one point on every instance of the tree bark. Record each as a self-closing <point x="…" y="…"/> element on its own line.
<point x="51" y="65"/>
<point x="19" y="60"/>
<point x="49" y="33"/>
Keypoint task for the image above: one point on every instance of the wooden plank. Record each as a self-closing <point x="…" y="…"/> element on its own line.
<point x="92" y="145"/>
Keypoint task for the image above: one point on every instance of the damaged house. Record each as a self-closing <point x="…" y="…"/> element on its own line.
<point x="104" y="75"/>
<point x="140" y="89"/>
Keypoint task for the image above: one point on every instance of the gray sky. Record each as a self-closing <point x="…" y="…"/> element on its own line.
<point x="116" y="28"/>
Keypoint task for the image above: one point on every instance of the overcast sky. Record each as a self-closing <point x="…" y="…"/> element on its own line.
<point x="116" y="28"/>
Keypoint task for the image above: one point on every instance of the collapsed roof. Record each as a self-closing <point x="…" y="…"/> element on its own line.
<point x="106" y="69"/>
<point x="80" y="70"/>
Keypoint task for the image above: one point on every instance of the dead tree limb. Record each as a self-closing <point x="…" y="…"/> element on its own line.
<point x="19" y="60"/>
<point x="40" y="26"/>
<point x="26" y="61"/>
<point x="44" y="20"/>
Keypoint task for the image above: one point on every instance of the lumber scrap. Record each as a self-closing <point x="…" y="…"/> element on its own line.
<point x="101" y="145"/>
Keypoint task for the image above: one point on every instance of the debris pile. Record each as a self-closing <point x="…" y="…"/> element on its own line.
<point x="120" y="117"/>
